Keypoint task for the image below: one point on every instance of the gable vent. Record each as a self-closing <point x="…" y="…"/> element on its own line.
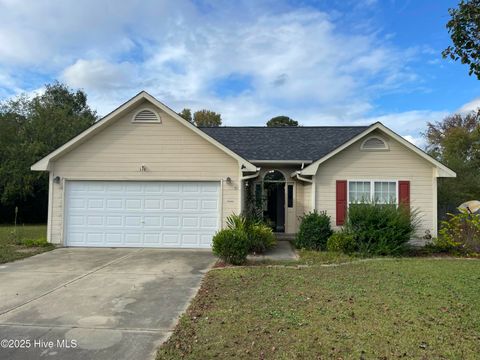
<point x="146" y="116"/>
<point x="374" y="143"/>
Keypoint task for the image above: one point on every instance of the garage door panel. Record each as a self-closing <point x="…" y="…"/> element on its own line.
<point x="171" y="188"/>
<point x="153" y="204"/>
<point x="190" y="222"/>
<point x="209" y="205"/>
<point x="95" y="237"/>
<point x="133" y="239"/>
<point x="171" y="204"/>
<point x="113" y="238"/>
<point x="190" y="240"/>
<point x="171" y="239"/>
<point x="149" y="221"/>
<point x="133" y="204"/>
<point x="141" y="214"/>
<point x="114" y="220"/>
<point x="190" y="205"/>
<point x="95" y="204"/>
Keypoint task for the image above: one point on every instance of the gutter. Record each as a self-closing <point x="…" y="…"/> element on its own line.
<point x="251" y="176"/>
<point x="299" y="177"/>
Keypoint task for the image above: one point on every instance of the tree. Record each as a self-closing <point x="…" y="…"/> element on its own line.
<point x="186" y="114"/>
<point x="207" y="118"/>
<point x="281" y="121"/>
<point x="464" y="29"/>
<point x="32" y="128"/>
<point x="455" y="141"/>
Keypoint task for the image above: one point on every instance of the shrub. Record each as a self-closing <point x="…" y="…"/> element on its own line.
<point x="260" y="238"/>
<point x="314" y="231"/>
<point x="237" y="222"/>
<point x="381" y="229"/>
<point x="461" y="232"/>
<point x="342" y="242"/>
<point x="231" y="245"/>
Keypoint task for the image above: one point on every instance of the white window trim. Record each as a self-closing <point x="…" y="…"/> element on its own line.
<point x="372" y="188"/>
<point x="159" y="120"/>
<point x="386" y="148"/>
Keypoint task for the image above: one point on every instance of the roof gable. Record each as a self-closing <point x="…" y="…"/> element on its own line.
<point x="100" y="125"/>
<point x="442" y="170"/>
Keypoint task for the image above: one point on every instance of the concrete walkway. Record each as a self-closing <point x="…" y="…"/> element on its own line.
<point x="283" y="251"/>
<point x="90" y="303"/>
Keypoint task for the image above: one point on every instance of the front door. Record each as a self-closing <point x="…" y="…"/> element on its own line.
<point x="274" y="190"/>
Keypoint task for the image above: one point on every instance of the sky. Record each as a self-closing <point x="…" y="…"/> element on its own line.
<point x="325" y="62"/>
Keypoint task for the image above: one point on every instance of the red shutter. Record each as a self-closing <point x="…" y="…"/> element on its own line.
<point x="404" y="193"/>
<point x="341" y="201"/>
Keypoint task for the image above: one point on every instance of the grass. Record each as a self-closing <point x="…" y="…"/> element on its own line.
<point x="28" y="240"/>
<point x="411" y="308"/>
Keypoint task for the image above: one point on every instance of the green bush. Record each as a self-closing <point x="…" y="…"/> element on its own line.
<point x="314" y="231"/>
<point x="381" y="229"/>
<point x="260" y="236"/>
<point x="342" y="242"/>
<point x="460" y="233"/>
<point x="231" y="245"/>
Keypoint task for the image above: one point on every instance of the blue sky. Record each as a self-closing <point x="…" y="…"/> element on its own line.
<point x="320" y="62"/>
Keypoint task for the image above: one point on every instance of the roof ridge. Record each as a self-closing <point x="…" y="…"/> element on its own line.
<point x="283" y="127"/>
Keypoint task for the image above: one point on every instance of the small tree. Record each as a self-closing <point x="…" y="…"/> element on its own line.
<point x="207" y="118"/>
<point x="455" y="141"/>
<point x="464" y="29"/>
<point x="186" y="114"/>
<point x="281" y="121"/>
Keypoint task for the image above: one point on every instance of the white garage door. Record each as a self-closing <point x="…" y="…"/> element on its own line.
<point x="141" y="214"/>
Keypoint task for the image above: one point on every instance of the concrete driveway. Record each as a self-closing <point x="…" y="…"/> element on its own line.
<point x="95" y="303"/>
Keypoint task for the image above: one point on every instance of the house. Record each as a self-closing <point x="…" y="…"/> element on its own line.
<point x="144" y="177"/>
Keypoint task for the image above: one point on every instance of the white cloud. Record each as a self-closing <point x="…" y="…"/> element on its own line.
<point x="417" y="141"/>
<point x="99" y="75"/>
<point x="298" y="62"/>
<point x="473" y="105"/>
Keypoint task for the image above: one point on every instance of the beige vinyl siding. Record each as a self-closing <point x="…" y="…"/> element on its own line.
<point x="399" y="163"/>
<point x="169" y="150"/>
<point x="304" y="201"/>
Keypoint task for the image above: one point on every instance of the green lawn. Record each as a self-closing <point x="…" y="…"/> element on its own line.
<point x="409" y="308"/>
<point x="28" y="240"/>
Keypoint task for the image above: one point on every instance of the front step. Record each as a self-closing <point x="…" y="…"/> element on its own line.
<point x="284" y="236"/>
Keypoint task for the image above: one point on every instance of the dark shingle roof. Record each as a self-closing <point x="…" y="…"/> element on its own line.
<point x="283" y="143"/>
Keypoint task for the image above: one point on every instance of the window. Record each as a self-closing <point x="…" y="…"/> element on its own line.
<point x="374" y="143"/>
<point x="290" y="196"/>
<point x="380" y="192"/>
<point x="385" y="192"/>
<point x="146" y="116"/>
<point x="359" y="191"/>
